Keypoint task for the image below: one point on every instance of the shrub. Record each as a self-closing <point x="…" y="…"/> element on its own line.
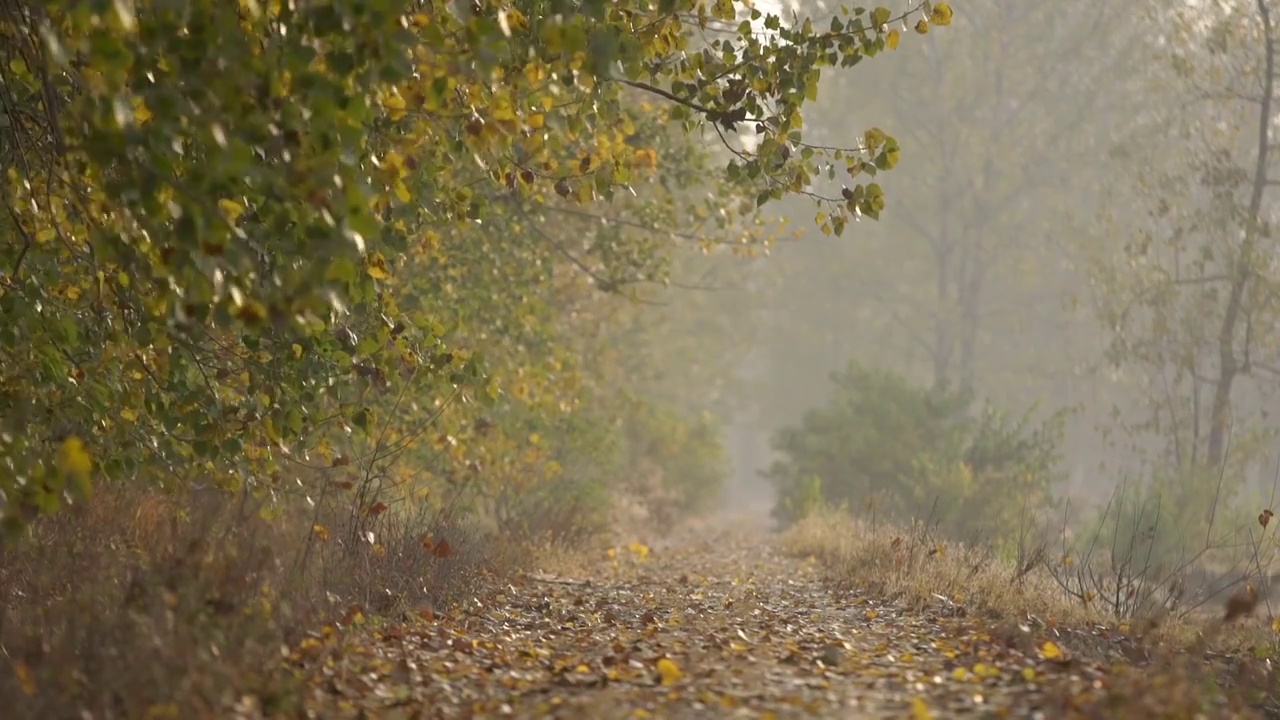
<point x="879" y="436"/>
<point x="141" y="604"/>
<point x="570" y="502"/>
<point x="677" y="464"/>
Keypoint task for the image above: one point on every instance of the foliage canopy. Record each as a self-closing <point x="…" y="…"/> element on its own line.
<point x="242" y="236"/>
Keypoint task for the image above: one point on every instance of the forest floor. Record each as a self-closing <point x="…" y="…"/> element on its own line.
<point x="719" y="622"/>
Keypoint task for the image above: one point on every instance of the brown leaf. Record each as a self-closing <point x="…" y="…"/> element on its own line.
<point x="442" y="549"/>
<point x="1241" y="604"/>
<point x="354" y="614"/>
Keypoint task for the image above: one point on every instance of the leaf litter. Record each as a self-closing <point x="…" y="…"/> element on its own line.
<point x="721" y="626"/>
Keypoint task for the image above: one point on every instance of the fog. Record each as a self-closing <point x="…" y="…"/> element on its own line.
<point x="1072" y="226"/>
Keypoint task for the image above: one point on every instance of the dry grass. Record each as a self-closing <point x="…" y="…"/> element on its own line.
<point x="1194" y="660"/>
<point x="910" y="564"/>
<point x="147" y="605"/>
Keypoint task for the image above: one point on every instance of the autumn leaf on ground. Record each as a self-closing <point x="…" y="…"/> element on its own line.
<point x="26" y="679"/>
<point x="669" y="672"/>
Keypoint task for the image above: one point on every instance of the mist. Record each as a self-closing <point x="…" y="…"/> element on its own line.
<point x="670" y="358"/>
<point x="1071" y="203"/>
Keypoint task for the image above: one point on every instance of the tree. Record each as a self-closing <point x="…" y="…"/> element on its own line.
<point x="210" y="204"/>
<point x="1189" y="295"/>
<point x="967" y="287"/>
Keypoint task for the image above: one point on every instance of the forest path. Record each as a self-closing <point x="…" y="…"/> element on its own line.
<point x="713" y="622"/>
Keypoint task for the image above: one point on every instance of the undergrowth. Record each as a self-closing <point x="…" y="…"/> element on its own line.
<point x="1161" y="649"/>
<point x="151" y="605"/>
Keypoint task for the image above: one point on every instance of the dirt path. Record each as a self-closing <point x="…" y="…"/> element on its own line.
<point x="715" y="624"/>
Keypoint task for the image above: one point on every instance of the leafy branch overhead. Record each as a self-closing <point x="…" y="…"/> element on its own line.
<point x="211" y="206"/>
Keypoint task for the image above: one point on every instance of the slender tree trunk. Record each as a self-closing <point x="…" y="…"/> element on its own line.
<point x="943" y="339"/>
<point x="970" y="297"/>
<point x="1229" y="365"/>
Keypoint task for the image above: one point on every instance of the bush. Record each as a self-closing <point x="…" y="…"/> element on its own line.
<point x="677" y="464"/>
<point x="141" y="604"/>
<point x="881" y="438"/>
<point x="1182" y="531"/>
<point x="570" y="501"/>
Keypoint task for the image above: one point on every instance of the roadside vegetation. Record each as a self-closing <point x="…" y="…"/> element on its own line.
<point x="318" y="314"/>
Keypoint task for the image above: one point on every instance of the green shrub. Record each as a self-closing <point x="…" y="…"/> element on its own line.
<point x="677" y="463"/>
<point x="922" y="451"/>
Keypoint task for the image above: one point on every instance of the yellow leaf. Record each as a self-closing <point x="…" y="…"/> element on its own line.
<point x="394" y="162"/>
<point x="873" y="138"/>
<point x="891" y="41"/>
<point x="321" y="532"/>
<point x="919" y="710"/>
<point x="394" y="105"/>
<point x="231" y="209"/>
<point x="297" y="350"/>
<point x="141" y="113"/>
<point x="378" y="267"/>
<point x="669" y="671"/>
<point x="402" y="192"/>
<point x="1050" y="650"/>
<point x="73" y="458"/>
<point x="941" y="14"/>
<point x="1029" y="674"/>
<point x="639" y="549"/>
<point x="129" y="414"/>
<point x="26" y="680"/>
<point x="644" y="158"/>
<point x="163" y="711"/>
<point x="922" y="26"/>
<point x="251" y="312"/>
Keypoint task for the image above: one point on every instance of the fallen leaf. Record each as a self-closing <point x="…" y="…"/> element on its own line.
<point x="669" y="671"/>
<point x="26" y="679"/>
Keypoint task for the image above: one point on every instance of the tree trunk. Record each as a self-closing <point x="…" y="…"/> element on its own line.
<point x="1229" y="366"/>
<point x="943" y="340"/>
